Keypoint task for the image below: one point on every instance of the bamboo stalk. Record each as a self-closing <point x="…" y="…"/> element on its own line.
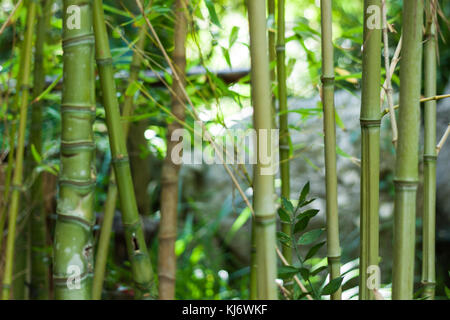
<point x="73" y="240"/>
<point x="429" y="156"/>
<point x="370" y="151"/>
<point x="406" y="169"/>
<point x="263" y="190"/>
<point x="272" y="55"/>
<point x="284" y="129"/>
<point x="253" y="265"/>
<point x="134" y="235"/>
<point x="23" y="93"/>
<point x="111" y="198"/>
<point x="39" y="286"/>
<point x="170" y="170"/>
<point x="333" y="248"/>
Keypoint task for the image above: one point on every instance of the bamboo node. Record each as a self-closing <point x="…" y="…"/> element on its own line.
<point x="370" y="122"/>
<point x="410" y="185"/>
<point x="77" y="40"/>
<point x="104" y="61"/>
<point x="327" y="80"/>
<point x="265" y="220"/>
<point x="280" y="48"/>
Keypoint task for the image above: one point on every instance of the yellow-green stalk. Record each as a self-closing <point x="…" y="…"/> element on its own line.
<point x="16" y="185"/>
<point x="134" y="235"/>
<point x="111" y="198"/>
<point x="169" y="176"/>
<point x="370" y="149"/>
<point x="73" y="254"/>
<point x="263" y="189"/>
<point x="333" y="248"/>
<point x="429" y="154"/>
<point x="407" y="162"/>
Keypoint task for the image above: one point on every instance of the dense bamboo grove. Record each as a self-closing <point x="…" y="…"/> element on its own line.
<point x="93" y="91"/>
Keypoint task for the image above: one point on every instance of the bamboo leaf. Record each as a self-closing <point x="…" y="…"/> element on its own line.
<point x="37" y="157"/>
<point x="226" y="55"/>
<point x="233" y="36"/>
<point x="287" y="271"/>
<point x="304" y="193"/>
<point x="447" y="292"/>
<point x="212" y="13"/>
<point x="314" y="250"/>
<point x="304" y="273"/>
<point x="287" y="205"/>
<point x="309" y="237"/>
<point x="284" y="216"/>
<point x="132" y="88"/>
<point x="303" y="220"/>
<point x="318" y="270"/>
<point x="284" y="238"/>
<point x="332" y="286"/>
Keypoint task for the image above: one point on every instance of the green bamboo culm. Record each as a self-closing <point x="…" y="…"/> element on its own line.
<point x="73" y="263"/>
<point x="134" y="234"/>
<point x="170" y="170"/>
<point x="272" y="55"/>
<point x="284" y="131"/>
<point x="429" y="154"/>
<point x="253" y="265"/>
<point x="263" y="189"/>
<point x="39" y="282"/>
<point x="111" y="198"/>
<point x="333" y="248"/>
<point x="407" y="162"/>
<point x="16" y="186"/>
<point x="370" y="120"/>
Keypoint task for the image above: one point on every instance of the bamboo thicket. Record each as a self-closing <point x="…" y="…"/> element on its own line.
<point x="370" y="149"/>
<point x="263" y="189"/>
<point x="406" y="166"/>
<point x="332" y="221"/>
<point x="73" y="265"/>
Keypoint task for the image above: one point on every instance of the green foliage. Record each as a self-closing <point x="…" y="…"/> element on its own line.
<point x="299" y="217"/>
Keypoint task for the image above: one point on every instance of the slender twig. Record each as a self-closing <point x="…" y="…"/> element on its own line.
<point x="388" y="86"/>
<point x="393" y="65"/>
<point x="10" y="17"/>
<point x="444" y="96"/>
<point x="443" y="139"/>
<point x="300" y="284"/>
